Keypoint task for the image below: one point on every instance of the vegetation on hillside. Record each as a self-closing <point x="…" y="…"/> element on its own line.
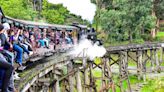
<point x="128" y="20"/>
<point x="35" y="11"/>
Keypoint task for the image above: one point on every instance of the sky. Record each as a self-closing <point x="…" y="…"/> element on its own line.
<point x="83" y="8"/>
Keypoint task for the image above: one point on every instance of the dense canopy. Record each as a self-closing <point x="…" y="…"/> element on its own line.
<point x="35" y="10"/>
<point x="128" y="20"/>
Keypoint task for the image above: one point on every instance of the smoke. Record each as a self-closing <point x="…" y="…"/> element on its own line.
<point x="87" y="48"/>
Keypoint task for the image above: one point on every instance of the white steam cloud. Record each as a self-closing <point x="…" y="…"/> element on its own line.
<point x="87" y="49"/>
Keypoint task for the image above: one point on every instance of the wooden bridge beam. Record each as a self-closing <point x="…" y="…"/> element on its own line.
<point x="103" y="75"/>
<point x="70" y="78"/>
<point x="86" y="79"/>
<point x="78" y="79"/>
<point x="161" y="56"/>
<point x="123" y="69"/>
<point x="139" y="64"/>
<point x="110" y="76"/>
<point x="57" y="87"/>
<point x="152" y="60"/>
<point x="156" y="61"/>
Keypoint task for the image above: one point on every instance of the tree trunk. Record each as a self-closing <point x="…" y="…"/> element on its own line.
<point x="130" y="36"/>
<point x="154" y="30"/>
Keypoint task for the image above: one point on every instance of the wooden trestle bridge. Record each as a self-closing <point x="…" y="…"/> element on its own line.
<point x="62" y="73"/>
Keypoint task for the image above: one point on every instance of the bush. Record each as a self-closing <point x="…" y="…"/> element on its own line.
<point x="158" y="39"/>
<point x="138" y="41"/>
<point x="146" y="37"/>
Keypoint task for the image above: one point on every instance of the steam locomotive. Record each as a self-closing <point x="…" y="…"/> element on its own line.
<point x="92" y="35"/>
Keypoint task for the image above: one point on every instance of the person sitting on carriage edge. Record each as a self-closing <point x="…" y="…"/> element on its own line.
<point x="6" y="66"/>
<point x="14" y="40"/>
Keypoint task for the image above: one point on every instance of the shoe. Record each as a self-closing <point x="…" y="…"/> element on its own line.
<point x="15" y="73"/>
<point x="16" y="77"/>
<point x="31" y="53"/>
<point x="21" y="68"/>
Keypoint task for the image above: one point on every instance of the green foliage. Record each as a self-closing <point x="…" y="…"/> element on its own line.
<point x="159" y="37"/>
<point x="59" y="14"/>
<point x="51" y="13"/>
<point x="146" y="37"/>
<point x="162" y="27"/>
<point x="159" y="8"/>
<point x="128" y="19"/>
<point x="54" y="13"/>
<point x="17" y="9"/>
<point x="160" y="34"/>
<point x="154" y="85"/>
<point x="139" y="41"/>
<point x="112" y="24"/>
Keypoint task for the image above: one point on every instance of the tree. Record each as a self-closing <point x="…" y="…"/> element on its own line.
<point x="128" y="19"/>
<point x="159" y="8"/>
<point x="17" y="9"/>
<point x="39" y="9"/>
<point x="157" y="11"/>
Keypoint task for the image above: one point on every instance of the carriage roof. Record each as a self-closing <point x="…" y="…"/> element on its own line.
<point x="40" y="24"/>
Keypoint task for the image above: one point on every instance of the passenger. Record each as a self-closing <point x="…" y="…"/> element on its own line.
<point x="6" y="45"/>
<point x="70" y="36"/>
<point x="27" y="40"/>
<point x="63" y="35"/>
<point x="57" y="35"/>
<point x="33" y="42"/>
<point x="52" y="37"/>
<point x="21" y="43"/>
<point x="39" y="38"/>
<point x="49" y="33"/>
<point x="6" y="28"/>
<point x="41" y="43"/>
<point x="8" y="68"/>
<point x="3" y="38"/>
<point x="45" y="39"/>
<point x="19" y="56"/>
<point x="68" y="40"/>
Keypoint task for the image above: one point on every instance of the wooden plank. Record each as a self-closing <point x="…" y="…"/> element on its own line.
<point x="78" y="79"/>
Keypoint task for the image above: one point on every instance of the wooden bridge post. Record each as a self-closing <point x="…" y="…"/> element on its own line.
<point x="86" y="79"/>
<point x="161" y="56"/>
<point x="92" y="81"/>
<point x="57" y="87"/>
<point x="70" y="78"/>
<point x="145" y="59"/>
<point x="156" y="60"/>
<point x="123" y="69"/>
<point x="126" y="70"/>
<point x="110" y="76"/>
<point x="120" y="70"/>
<point x="107" y="81"/>
<point x="139" y="64"/>
<point x="78" y="79"/>
<point x="152" y="60"/>
<point x="103" y="74"/>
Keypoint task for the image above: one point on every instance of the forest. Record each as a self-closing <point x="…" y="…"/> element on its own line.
<point x="129" y="20"/>
<point x="40" y="11"/>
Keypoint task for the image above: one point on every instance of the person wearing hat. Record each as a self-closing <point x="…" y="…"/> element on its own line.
<point x="3" y="36"/>
<point x="6" y="28"/>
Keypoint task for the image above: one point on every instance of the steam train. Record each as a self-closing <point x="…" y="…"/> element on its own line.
<point x="76" y="28"/>
<point x="92" y="35"/>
